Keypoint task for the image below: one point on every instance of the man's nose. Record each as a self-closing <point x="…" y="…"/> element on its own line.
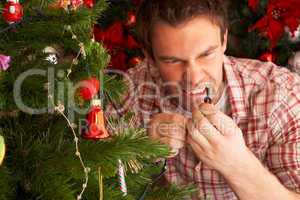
<point x="193" y="75"/>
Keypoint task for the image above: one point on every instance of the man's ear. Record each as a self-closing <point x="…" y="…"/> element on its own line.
<point x="225" y="40"/>
<point x="148" y="57"/>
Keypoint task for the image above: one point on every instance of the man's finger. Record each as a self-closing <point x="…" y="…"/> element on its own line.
<point x="206" y="128"/>
<point x="175" y="130"/>
<point x="152" y="130"/>
<point x="162" y="129"/>
<point x="195" y="146"/>
<point x="172" y="143"/>
<point x="196" y="136"/>
<point x="222" y="122"/>
<point x="165" y="124"/>
<point x="207" y="109"/>
<point x="169" y="117"/>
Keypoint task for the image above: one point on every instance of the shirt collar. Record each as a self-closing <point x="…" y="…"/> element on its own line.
<point x="235" y="89"/>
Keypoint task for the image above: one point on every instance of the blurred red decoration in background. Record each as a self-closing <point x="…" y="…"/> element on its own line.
<point x="116" y="38"/>
<point x="252" y="4"/>
<point x="280" y="13"/>
<point x="89" y="3"/>
<point x="268" y="56"/>
<point x="131" y="19"/>
<point x="135" y="61"/>
<point x="118" y="60"/>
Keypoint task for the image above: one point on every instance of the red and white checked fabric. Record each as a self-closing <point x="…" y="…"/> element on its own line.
<point x="264" y="101"/>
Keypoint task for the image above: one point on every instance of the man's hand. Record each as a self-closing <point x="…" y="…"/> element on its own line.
<point x="217" y="140"/>
<point x="170" y="129"/>
<point x="219" y="143"/>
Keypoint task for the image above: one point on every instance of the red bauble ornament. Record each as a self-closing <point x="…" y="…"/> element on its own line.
<point x="268" y="57"/>
<point x="95" y="123"/>
<point x="89" y="88"/>
<point x="12" y="12"/>
<point x="131" y="19"/>
<point x="89" y="3"/>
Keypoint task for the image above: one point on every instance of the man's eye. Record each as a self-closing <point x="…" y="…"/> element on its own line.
<point x="210" y="55"/>
<point x="171" y="61"/>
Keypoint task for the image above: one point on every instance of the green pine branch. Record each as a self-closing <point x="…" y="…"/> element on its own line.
<point x="7" y="187"/>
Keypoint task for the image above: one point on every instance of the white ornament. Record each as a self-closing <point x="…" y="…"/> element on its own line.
<point x="52" y="58"/>
<point x="13" y="1"/>
<point x="52" y="54"/>
<point x="122" y="181"/>
<point x="294" y="62"/>
<point x="12" y="9"/>
<point x="50" y="50"/>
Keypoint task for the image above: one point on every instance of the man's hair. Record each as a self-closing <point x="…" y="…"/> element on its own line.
<point x="176" y="12"/>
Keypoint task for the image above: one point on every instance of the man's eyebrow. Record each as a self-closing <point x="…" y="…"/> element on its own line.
<point x="209" y="49"/>
<point x="168" y="58"/>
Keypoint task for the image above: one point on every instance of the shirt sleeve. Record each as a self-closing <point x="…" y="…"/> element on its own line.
<point x="283" y="155"/>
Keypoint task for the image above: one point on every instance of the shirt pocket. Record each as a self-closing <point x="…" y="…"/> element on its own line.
<point x="255" y="129"/>
<point x="256" y="135"/>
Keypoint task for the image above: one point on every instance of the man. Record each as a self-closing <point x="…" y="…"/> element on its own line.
<point x="246" y="143"/>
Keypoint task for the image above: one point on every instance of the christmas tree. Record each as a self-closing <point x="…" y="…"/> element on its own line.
<point x="53" y="76"/>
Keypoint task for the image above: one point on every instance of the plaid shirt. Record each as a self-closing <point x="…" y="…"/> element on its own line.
<point x="264" y="101"/>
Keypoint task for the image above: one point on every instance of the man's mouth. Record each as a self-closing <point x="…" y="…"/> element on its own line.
<point x="195" y="92"/>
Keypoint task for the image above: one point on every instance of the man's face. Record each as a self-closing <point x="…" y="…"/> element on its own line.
<point x="189" y="58"/>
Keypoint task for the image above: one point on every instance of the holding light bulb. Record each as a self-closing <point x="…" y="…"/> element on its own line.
<point x="207" y="99"/>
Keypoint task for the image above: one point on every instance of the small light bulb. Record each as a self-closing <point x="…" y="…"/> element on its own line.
<point x="207" y="99"/>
